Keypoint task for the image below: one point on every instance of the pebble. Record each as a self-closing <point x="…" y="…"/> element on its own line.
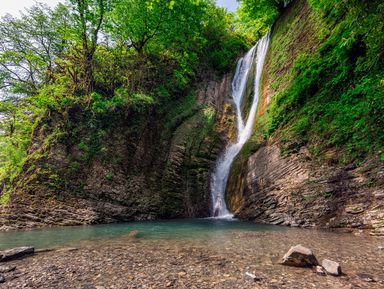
<point x="220" y="263"/>
<point x="331" y="267"/>
<point x="366" y="277"/>
<point x="320" y="271"/>
<point x="252" y="277"/>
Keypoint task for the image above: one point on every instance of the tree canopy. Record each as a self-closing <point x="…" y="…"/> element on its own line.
<point x="102" y="54"/>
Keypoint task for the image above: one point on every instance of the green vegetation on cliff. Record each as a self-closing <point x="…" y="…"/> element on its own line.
<point x="105" y="57"/>
<point x="326" y="75"/>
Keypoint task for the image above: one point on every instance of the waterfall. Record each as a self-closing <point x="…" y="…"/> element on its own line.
<point x="220" y="175"/>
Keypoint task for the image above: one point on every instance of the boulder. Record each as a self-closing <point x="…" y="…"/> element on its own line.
<point x="299" y="256"/>
<point x="331" y="267"/>
<point x="2" y="279"/>
<point x="15" y="253"/>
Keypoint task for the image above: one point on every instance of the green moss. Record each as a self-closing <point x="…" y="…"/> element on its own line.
<point x="110" y="176"/>
<point x="5" y="198"/>
<point x="324" y="71"/>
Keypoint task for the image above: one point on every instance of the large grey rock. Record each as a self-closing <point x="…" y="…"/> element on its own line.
<point x="331" y="267"/>
<point x="15" y="253"/>
<point x="299" y="256"/>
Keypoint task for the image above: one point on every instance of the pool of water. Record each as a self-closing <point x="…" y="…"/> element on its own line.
<point x="170" y="229"/>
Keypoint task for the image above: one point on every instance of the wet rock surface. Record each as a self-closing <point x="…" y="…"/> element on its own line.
<point x="219" y="261"/>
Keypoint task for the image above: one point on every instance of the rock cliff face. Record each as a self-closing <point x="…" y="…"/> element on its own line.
<point x="295" y="190"/>
<point x="280" y="182"/>
<point x="127" y="165"/>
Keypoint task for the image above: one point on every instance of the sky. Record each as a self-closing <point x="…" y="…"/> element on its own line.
<point x="14" y="6"/>
<point x="231" y="5"/>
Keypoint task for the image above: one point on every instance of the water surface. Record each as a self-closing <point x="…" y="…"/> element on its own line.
<point x="171" y="229"/>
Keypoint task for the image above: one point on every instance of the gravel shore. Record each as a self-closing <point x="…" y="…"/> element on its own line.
<point x="215" y="262"/>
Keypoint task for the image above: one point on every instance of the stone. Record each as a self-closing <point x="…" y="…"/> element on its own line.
<point x="355" y="209"/>
<point x="377" y="232"/>
<point x="366" y="277"/>
<point x="331" y="267"/>
<point x="299" y="256"/>
<point x="44" y="250"/>
<point x="320" y="271"/>
<point x="15" y="253"/>
<point x="5" y="269"/>
<point x="133" y="234"/>
<point x="67" y="249"/>
<point x="2" y="279"/>
<point x="252" y="277"/>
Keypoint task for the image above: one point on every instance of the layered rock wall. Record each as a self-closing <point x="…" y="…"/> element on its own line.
<point x="126" y="165"/>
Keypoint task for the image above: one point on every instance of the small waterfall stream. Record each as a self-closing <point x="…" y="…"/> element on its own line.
<point x="220" y="175"/>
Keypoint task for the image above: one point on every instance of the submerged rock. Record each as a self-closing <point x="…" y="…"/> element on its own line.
<point x="331" y="267"/>
<point x="299" y="256"/>
<point x="133" y="234"/>
<point x="15" y="253"/>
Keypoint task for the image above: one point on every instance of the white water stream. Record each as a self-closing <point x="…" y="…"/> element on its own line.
<point x="220" y="175"/>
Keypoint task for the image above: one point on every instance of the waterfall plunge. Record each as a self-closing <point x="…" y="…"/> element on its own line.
<point x="219" y="178"/>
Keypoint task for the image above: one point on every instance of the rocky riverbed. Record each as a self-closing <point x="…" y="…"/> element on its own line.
<point x="209" y="261"/>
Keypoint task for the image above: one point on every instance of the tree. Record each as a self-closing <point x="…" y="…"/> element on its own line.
<point x="28" y="48"/>
<point x="164" y="24"/>
<point x="256" y="16"/>
<point x="88" y="17"/>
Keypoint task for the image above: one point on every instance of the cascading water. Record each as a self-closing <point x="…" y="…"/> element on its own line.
<point x="244" y="129"/>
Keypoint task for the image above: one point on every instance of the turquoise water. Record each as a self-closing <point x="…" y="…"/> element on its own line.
<point x="172" y="229"/>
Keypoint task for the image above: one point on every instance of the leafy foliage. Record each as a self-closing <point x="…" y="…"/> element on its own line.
<point x="336" y="100"/>
<point x="104" y="56"/>
<point x="255" y="17"/>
